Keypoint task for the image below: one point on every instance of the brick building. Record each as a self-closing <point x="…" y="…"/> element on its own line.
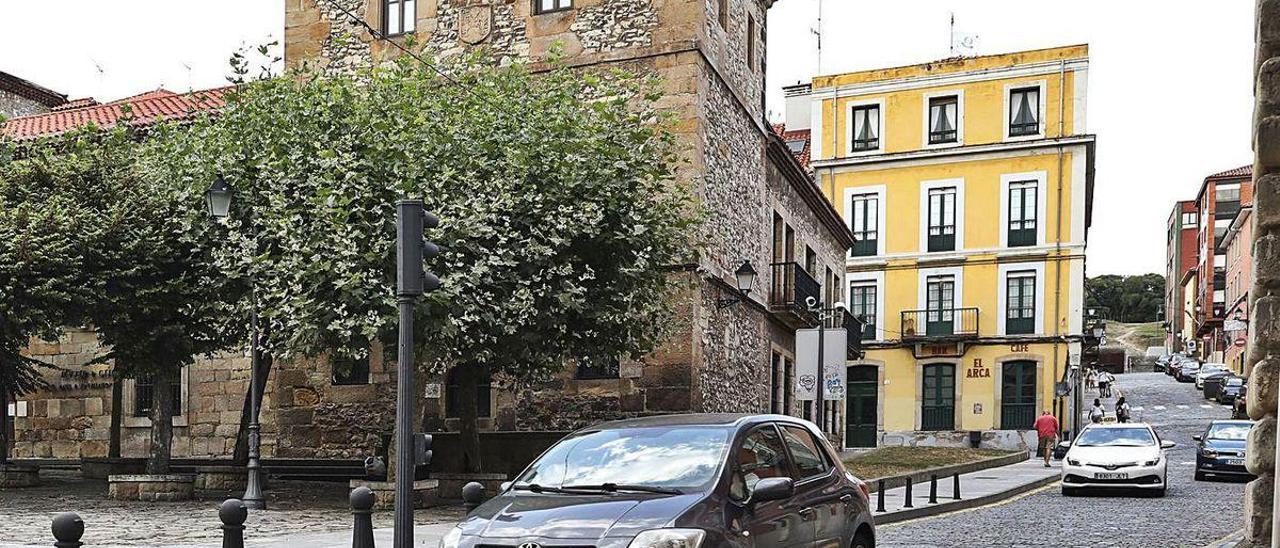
<point x="1238" y="245"/>
<point x="1218" y="202"/>
<point x="763" y="208"/>
<point x="1181" y="256"/>
<point x="19" y="97"/>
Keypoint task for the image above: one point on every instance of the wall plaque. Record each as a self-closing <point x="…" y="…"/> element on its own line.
<point x="475" y="23"/>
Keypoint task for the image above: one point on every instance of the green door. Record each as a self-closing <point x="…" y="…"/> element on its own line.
<point x="938" y="406"/>
<point x="861" y="409"/>
<point x="1018" y="396"/>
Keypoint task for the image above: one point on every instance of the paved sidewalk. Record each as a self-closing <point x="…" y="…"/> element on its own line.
<point x="976" y="489"/>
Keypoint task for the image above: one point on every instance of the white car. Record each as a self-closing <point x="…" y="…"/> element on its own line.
<point x="1116" y="455"/>
<point x="1205" y="370"/>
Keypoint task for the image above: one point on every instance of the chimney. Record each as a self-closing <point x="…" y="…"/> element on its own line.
<point x="797" y="106"/>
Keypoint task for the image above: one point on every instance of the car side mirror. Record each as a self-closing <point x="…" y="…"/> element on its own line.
<point x="772" y="489"/>
<point x="506" y="486"/>
<point x="1166" y="444"/>
<point x="1197" y="437"/>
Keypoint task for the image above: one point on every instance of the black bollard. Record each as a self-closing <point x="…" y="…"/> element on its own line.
<point x="880" y="496"/>
<point x="233" y="512"/>
<point x="362" y="508"/>
<point x="67" y="529"/>
<point x="933" y="488"/>
<point x="472" y="495"/>
<point x="955" y="487"/>
<point x="907" y="504"/>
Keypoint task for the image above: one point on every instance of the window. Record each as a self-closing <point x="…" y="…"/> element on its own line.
<point x="940" y="304"/>
<point x="937" y="406"/>
<point x="1022" y="213"/>
<point x="805" y="453"/>
<point x="761" y="456"/>
<point x="453" y="394"/>
<point x="862" y="304"/>
<point x="942" y="219"/>
<point x="1020" y="303"/>
<point x="1024" y="111"/>
<point x="796" y="146"/>
<point x="548" y="6"/>
<point x="751" y="43"/>
<point x="144" y="396"/>
<point x="866" y="127"/>
<point x="724" y="14"/>
<point x="810" y="261"/>
<point x="1190" y="219"/>
<point x="349" y="371"/>
<point x="399" y="17"/>
<point x="865" y="210"/>
<point x="1227" y="194"/>
<point x="943" y="120"/>
<point x="599" y="369"/>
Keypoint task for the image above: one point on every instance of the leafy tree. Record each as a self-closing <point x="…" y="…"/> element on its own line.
<point x="1128" y="299"/>
<point x="556" y="191"/>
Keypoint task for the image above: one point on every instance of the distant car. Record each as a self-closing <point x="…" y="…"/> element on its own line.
<point x="1176" y="362"/>
<point x="1220" y="450"/>
<point x="1186" y="372"/>
<point x="1211" y="383"/>
<point x="1239" y="407"/>
<point x="1206" y="370"/>
<point x="1232" y="388"/>
<point x="1116" y="455"/>
<point x="735" y="481"/>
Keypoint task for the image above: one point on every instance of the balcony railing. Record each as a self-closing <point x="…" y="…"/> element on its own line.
<point x="854" y="329"/>
<point x="792" y="287"/>
<point x="950" y="323"/>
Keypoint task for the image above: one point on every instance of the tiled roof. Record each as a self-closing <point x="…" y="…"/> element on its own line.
<point x="1243" y="171"/>
<point x="796" y="135"/>
<point x="137" y="111"/>
<point x="76" y="103"/>
<point x="35" y="92"/>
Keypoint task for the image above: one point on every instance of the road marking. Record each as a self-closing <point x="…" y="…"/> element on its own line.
<point x="1183" y="407"/>
<point x="1206" y="406"/>
<point x="1138" y="408"/>
<point x="1158" y="407"/>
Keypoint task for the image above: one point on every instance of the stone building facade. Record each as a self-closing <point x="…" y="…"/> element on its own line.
<point x="740" y="358"/>
<point x="19" y="97"/>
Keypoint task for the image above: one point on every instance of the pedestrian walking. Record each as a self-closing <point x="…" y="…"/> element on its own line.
<point x="1097" y="413"/>
<point x="1122" y="410"/>
<point x="1047" y="429"/>
<point x="1091" y="379"/>
<point x="1104" y="384"/>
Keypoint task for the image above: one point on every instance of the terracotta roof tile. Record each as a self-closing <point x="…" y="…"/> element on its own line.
<point x="795" y="136"/>
<point x="76" y="103"/>
<point x="1243" y="171"/>
<point x="137" y="111"/>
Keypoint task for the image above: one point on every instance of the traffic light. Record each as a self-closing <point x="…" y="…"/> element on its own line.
<point x="412" y="279"/>
<point x="422" y="449"/>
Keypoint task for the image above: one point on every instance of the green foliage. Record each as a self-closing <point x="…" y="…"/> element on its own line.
<point x="556" y="192"/>
<point x="1129" y="299"/>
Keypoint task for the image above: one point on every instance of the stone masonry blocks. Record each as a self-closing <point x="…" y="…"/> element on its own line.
<point x="1268" y="88"/>
<point x="1262" y="388"/>
<point x="1266" y="201"/>
<point x="1261" y="453"/>
<point x="1257" y="511"/>
<point x="1267" y="146"/>
<point x="1265" y="328"/>
<point x="1266" y="263"/>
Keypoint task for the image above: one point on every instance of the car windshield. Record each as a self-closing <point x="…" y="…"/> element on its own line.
<point x="685" y="458"/>
<point x="1229" y="431"/>
<point x="1115" y="437"/>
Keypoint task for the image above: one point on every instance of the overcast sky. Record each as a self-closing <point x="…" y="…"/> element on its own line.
<point x="1169" y="87"/>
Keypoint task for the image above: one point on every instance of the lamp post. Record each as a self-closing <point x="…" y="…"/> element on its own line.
<point x="820" y="398"/>
<point x="745" y="277"/>
<point x="218" y="199"/>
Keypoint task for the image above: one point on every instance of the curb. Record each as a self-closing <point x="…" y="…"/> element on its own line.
<point x="1231" y="540"/>
<point x="921" y="476"/>
<point x="965" y="504"/>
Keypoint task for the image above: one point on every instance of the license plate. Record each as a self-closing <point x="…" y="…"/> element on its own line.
<point x="1110" y="475"/>
<point x="1235" y="462"/>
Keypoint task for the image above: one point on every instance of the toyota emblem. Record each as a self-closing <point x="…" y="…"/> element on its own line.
<point x="530" y="545"/>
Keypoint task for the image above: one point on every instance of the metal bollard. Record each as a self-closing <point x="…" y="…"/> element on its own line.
<point x="933" y="488"/>
<point x="362" y="508"/>
<point x="472" y="495"/>
<point x="233" y="512"/>
<point x="880" y="496"/>
<point x="907" y="504"/>
<point x="67" y="529"/>
<point x="955" y="487"/>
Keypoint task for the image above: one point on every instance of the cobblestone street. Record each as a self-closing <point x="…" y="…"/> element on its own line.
<point x="1194" y="513"/>
<point x="295" y="509"/>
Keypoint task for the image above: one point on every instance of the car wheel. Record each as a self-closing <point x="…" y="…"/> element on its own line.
<point x="1200" y="476"/>
<point x="862" y="540"/>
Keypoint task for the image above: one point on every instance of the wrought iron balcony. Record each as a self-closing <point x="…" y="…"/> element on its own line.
<point x="853" y="327"/>
<point x="792" y="287"/>
<point x="940" y="324"/>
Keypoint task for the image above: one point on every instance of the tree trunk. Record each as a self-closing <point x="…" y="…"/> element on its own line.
<point x="4" y="426"/>
<point x="117" y="417"/>
<point x="161" y="425"/>
<point x="241" y="453"/>
<point x="468" y="415"/>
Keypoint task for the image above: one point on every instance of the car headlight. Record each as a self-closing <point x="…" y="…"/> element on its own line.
<point x="452" y="539"/>
<point x="1073" y="462"/>
<point x="669" y="538"/>
<point x="1152" y="462"/>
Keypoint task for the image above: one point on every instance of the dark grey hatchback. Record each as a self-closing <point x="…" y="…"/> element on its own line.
<point x="679" y="481"/>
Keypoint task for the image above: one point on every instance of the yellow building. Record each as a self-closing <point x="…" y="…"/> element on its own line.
<point x="968" y="184"/>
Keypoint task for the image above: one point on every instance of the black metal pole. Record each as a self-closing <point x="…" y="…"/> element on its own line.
<point x="880" y="496"/>
<point x="253" y="495"/>
<point x="362" y="508"/>
<point x="409" y="286"/>
<point x="955" y="487"/>
<point x="907" y="503"/>
<point x="822" y="377"/>
<point x="232" y="513"/>
<point x="933" y="488"/>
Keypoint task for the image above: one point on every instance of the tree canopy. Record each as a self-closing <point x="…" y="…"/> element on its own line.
<point x="1129" y="299"/>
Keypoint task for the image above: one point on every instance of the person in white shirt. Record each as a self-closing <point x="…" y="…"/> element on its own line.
<point x="1097" y="413"/>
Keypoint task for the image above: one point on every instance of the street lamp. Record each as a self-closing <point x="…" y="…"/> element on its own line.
<point x="218" y="199"/>
<point x="823" y="314"/>
<point x="745" y="276"/>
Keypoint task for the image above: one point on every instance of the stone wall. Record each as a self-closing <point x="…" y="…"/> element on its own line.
<point x="13" y="105"/>
<point x="1263" y="359"/>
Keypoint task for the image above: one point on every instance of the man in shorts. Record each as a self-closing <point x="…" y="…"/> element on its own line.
<point x="1047" y="429"/>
